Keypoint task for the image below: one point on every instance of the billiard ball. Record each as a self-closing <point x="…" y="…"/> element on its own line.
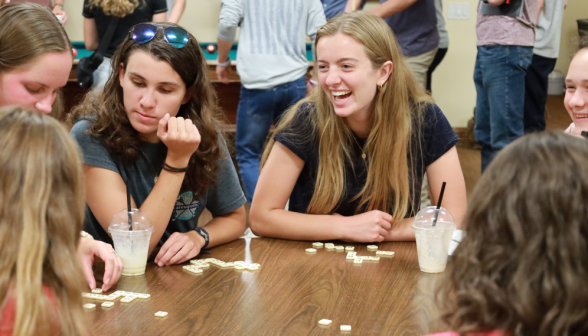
<point x="74" y="52"/>
<point x="211" y="48"/>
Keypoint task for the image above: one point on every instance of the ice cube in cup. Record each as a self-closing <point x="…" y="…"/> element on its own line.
<point x="433" y="241"/>
<point x="131" y="242"/>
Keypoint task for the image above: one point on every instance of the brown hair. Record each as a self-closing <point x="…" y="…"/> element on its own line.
<point x="112" y="125"/>
<point x="41" y="215"/>
<point x="523" y="264"/>
<point x="396" y="119"/>
<point x="118" y="8"/>
<point x="28" y="30"/>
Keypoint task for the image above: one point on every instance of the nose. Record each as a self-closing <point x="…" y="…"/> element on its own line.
<point x="333" y="77"/>
<point x="45" y="105"/>
<point x="148" y="99"/>
<point x="578" y="99"/>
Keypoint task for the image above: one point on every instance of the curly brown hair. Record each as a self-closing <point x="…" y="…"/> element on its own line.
<point x="112" y="126"/>
<point x="523" y="265"/>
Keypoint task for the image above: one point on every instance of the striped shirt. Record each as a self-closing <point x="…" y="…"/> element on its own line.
<point x="272" y="39"/>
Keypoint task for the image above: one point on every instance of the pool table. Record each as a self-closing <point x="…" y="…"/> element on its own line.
<point x="228" y="94"/>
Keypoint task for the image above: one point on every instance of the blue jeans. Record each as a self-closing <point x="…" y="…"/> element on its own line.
<point x="499" y="77"/>
<point x="257" y="110"/>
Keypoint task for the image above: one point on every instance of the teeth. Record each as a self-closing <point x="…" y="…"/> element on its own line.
<point x="581" y="116"/>
<point x="340" y="93"/>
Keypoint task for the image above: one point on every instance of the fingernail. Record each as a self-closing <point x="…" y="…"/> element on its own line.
<point x="107" y="280"/>
<point x="160" y="264"/>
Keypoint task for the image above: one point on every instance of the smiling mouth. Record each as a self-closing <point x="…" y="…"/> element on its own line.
<point x="341" y="95"/>
<point x="581" y="116"/>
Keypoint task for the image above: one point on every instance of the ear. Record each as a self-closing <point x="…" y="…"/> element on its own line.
<point x="121" y="73"/>
<point x="187" y="96"/>
<point x="385" y="71"/>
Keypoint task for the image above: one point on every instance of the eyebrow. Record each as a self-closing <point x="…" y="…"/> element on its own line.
<point x="161" y="83"/>
<point x="342" y="60"/>
<point x="41" y="84"/>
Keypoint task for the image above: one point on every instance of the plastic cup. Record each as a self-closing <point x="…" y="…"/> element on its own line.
<point x="433" y="241"/>
<point x="132" y="246"/>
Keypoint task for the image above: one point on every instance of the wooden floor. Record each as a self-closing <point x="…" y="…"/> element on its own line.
<point x="556" y="118"/>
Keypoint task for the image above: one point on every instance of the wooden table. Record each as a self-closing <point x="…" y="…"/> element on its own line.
<point x="291" y="292"/>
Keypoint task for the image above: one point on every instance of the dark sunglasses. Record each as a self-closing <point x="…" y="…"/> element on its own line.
<point x="145" y="32"/>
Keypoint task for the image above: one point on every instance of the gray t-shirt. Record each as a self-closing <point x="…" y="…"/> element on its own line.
<point x="548" y="30"/>
<point x="221" y="198"/>
<point x="443" y="35"/>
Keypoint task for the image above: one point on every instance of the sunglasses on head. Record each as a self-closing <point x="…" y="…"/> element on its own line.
<point x="145" y="32"/>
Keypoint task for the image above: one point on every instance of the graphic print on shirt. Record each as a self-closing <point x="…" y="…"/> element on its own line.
<point x="186" y="206"/>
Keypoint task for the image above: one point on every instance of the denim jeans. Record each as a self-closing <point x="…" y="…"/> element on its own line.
<point x="499" y="77"/>
<point x="257" y="110"/>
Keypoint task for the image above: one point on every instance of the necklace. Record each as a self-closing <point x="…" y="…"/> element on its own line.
<point x="363" y="154"/>
<point x="151" y="165"/>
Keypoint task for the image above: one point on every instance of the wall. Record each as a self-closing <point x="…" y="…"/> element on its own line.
<point x="453" y="86"/>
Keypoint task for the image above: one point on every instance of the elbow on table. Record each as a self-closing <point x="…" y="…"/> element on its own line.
<point x="258" y="226"/>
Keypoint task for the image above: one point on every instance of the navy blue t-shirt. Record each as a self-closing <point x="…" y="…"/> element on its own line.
<point x="437" y="137"/>
<point x="415" y="28"/>
<point x="335" y="7"/>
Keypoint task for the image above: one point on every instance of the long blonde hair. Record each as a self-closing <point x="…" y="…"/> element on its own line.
<point x="27" y="31"/>
<point x="41" y="215"/>
<point x="395" y="125"/>
<point x="118" y="8"/>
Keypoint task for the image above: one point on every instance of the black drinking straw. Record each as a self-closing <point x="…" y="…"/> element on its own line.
<point x="439" y="204"/>
<point x="129" y="209"/>
<point x="585" y="134"/>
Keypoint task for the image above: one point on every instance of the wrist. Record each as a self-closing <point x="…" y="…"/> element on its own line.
<point x="339" y="228"/>
<point x="223" y="64"/>
<point x="58" y="4"/>
<point x="177" y="162"/>
<point x="204" y="236"/>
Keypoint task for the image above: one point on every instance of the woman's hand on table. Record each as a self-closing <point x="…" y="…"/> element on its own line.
<point x="180" y="136"/>
<point x="113" y="266"/>
<point x="179" y="248"/>
<point x="371" y="226"/>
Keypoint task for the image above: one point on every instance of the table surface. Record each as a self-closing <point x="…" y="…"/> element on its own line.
<point x="210" y="57"/>
<point x="291" y="292"/>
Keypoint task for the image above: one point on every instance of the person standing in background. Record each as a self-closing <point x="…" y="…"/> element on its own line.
<point x="56" y="7"/>
<point x="177" y="9"/>
<point x="97" y="16"/>
<point x="272" y="64"/>
<point x="443" y="43"/>
<point x="335" y="7"/>
<point x="547" y="39"/>
<point x="506" y="36"/>
<point x="414" y="24"/>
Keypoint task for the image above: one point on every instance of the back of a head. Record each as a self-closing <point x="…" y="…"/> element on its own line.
<point x="28" y="30"/>
<point x="118" y="8"/>
<point x="41" y="215"/>
<point x="523" y="265"/>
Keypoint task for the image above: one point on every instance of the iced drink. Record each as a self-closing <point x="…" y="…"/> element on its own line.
<point x="131" y="242"/>
<point x="433" y="241"/>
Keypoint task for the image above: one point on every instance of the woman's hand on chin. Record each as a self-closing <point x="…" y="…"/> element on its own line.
<point x="181" y="138"/>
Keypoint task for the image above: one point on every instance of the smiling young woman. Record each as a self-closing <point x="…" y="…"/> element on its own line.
<point x="576" y="98"/>
<point x="154" y="129"/>
<point x="351" y="157"/>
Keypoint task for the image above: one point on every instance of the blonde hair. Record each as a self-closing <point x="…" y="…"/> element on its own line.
<point x="395" y="125"/>
<point x="41" y="215"/>
<point x="118" y="8"/>
<point x="29" y="30"/>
